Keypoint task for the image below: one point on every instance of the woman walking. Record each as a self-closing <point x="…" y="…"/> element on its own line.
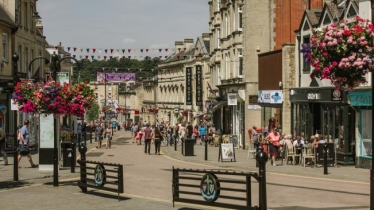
<point x="273" y="138"/>
<point x="157" y="135"/>
<point x="139" y="136"/>
<point x="108" y="135"/>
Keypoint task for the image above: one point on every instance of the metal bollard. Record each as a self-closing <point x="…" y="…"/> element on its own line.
<point x="73" y="157"/>
<point x="325" y="159"/>
<point x="258" y="147"/>
<point x="79" y="138"/>
<point x="206" y="149"/>
<point x="182" y="146"/>
<point x="85" y="137"/>
<point x="261" y="159"/>
<point x="91" y="137"/>
<point x="175" y="143"/>
<point x="82" y="151"/>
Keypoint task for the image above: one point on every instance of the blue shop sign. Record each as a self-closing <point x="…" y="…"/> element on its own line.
<point x="360" y="98"/>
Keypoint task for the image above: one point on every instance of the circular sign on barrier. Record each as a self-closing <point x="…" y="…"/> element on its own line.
<point x="209" y="187"/>
<point x="99" y="175"/>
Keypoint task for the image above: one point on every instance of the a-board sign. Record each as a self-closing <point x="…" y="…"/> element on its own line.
<point x="226" y="152"/>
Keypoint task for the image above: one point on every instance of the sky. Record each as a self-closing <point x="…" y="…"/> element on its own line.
<point x="122" y="24"/>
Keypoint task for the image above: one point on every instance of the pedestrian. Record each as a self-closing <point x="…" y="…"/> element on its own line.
<point x="176" y="132"/>
<point x="108" y="135"/>
<point x="134" y="129"/>
<point x="23" y="142"/>
<point x="2" y="146"/>
<point x="189" y="130"/>
<point x="99" y="135"/>
<point x="147" y="139"/>
<point x="139" y="136"/>
<point x="273" y="138"/>
<point x="114" y="126"/>
<point x="157" y="136"/>
<point x="202" y="131"/>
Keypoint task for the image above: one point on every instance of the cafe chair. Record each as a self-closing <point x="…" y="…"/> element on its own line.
<point x="291" y="153"/>
<point x="225" y="139"/>
<point x="308" y="153"/>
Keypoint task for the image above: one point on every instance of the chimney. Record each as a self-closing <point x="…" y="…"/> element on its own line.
<point x="188" y="43"/>
<point x="206" y="36"/>
<point x="178" y="47"/>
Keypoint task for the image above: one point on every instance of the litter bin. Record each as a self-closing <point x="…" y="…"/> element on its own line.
<point x="188" y="147"/>
<point x="66" y="154"/>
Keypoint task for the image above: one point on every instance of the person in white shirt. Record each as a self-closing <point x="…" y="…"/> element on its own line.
<point x="298" y="142"/>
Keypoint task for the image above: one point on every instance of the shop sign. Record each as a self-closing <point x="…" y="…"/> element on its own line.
<point x="253" y="99"/>
<point x="199" y="86"/>
<point x="360" y="98"/>
<point x="313" y="96"/>
<point x="176" y="110"/>
<point x="270" y="96"/>
<point x="254" y="107"/>
<point x="232" y="100"/>
<point x="188" y="86"/>
<point x="336" y="95"/>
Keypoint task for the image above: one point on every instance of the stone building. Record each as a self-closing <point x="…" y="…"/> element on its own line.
<point x="181" y="94"/>
<point x="25" y="39"/>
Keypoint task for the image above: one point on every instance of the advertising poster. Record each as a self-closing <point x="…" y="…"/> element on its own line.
<point x="46" y="132"/>
<point x="9" y="141"/>
<point x="227" y="151"/>
<point x="199" y="86"/>
<point x="63" y="77"/>
<point x="188" y="86"/>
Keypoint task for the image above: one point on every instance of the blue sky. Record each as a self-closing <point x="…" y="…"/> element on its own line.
<point x="123" y="24"/>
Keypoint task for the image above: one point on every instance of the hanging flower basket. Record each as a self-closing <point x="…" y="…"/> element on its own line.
<point x="180" y="118"/>
<point x="185" y="113"/>
<point x="207" y="117"/>
<point x="106" y="108"/>
<point x="53" y="98"/>
<point x="341" y="53"/>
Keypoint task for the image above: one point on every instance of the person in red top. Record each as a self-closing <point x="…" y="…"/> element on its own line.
<point x="273" y="138"/>
<point x="147" y="139"/>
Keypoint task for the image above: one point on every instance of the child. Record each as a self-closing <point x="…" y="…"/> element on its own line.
<point x="139" y="136"/>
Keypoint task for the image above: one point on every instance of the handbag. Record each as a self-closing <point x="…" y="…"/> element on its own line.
<point x="24" y="149"/>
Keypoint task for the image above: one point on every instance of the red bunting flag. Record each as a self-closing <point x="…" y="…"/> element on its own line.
<point x="185" y="49"/>
<point x="104" y="57"/>
<point x="111" y="50"/>
<point x="160" y="56"/>
<point x="75" y="49"/>
<point x="86" y="57"/>
<point x="56" y="47"/>
<point x="123" y="57"/>
<point x="166" y="49"/>
<point x="129" y="50"/>
<point x="94" y="50"/>
<point x="146" y="50"/>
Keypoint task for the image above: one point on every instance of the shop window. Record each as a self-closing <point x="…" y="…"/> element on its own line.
<point x="306" y="65"/>
<point x="366" y="133"/>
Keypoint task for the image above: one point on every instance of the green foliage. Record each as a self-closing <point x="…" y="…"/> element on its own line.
<point x="93" y="113"/>
<point x="88" y="68"/>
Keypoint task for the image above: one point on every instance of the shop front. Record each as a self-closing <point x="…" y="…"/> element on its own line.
<point x="271" y="102"/>
<point x="325" y="112"/>
<point x="361" y="100"/>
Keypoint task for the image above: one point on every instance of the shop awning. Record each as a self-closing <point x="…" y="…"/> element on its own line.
<point x="360" y="98"/>
<point x="199" y="115"/>
<point x="218" y="105"/>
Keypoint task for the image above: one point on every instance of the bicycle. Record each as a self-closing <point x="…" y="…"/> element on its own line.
<point x="166" y="140"/>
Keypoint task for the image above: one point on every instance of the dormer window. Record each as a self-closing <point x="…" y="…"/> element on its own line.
<point x="306" y="26"/>
<point x="327" y="20"/>
<point x="351" y="12"/>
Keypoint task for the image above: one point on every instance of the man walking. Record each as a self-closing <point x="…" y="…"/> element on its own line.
<point x="99" y="135"/>
<point x="24" y="141"/>
<point x="147" y="139"/>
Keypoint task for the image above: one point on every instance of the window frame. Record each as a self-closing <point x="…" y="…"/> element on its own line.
<point x="5" y="46"/>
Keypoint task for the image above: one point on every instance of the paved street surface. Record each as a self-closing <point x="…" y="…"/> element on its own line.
<point x="147" y="181"/>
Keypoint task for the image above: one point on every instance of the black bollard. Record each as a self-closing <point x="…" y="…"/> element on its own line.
<point x="91" y="137"/>
<point x="84" y="137"/>
<point x="72" y="166"/>
<point x="325" y="159"/>
<point x="262" y="158"/>
<point x="175" y="143"/>
<point x="79" y="138"/>
<point x="206" y="149"/>
<point x="82" y="151"/>
<point x="258" y="147"/>
<point x="182" y="146"/>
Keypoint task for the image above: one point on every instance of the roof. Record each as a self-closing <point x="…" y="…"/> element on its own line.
<point x="5" y="17"/>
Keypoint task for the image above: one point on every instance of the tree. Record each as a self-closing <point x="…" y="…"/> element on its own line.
<point x="93" y="113"/>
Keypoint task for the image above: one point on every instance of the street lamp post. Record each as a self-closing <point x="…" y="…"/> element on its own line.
<point x="55" y="67"/>
<point x="15" y="59"/>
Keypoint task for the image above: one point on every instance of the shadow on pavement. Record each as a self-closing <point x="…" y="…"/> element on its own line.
<point x="308" y="208"/>
<point x="104" y="195"/>
<point x="13" y="184"/>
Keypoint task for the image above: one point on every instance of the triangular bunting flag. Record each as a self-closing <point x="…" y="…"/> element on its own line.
<point x="197" y="57"/>
<point x="88" y="50"/>
<point x="141" y="50"/>
<point x="129" y="57"/>
<point x="111" y="50"/>
<point x="100" y="51"/>
<point x="160" y="56"/>
<point x="104" y="57"/>
<point x="129" y="50"/>
<point x="179" y="49"/>
<point x="185" y="57"/>
<point x="185" y="49"/>
<point x="80" y="57"/>
<point x="106" y="51"/>
<point x="68" y="49"/>
<point x="56" y="47"/>
<point x="99" y="57"/>
<point x="123" y="50"/>
<point x="74" y="56"/>
<point x="110" y="57"/>
<point x="123" y="57"/>
<point x="166" y="56"/>
<point x="94" y="50"/>
<point x="159" y="50"/>
<point x="146" y="50"/>
<point x="86" y="57"/>
<point x="134" y="50"/>
<point x="75" y="49"/>
<point x="166" y="49"/>
<point x="81" y="49"/>
<point x="92" y="56"/>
